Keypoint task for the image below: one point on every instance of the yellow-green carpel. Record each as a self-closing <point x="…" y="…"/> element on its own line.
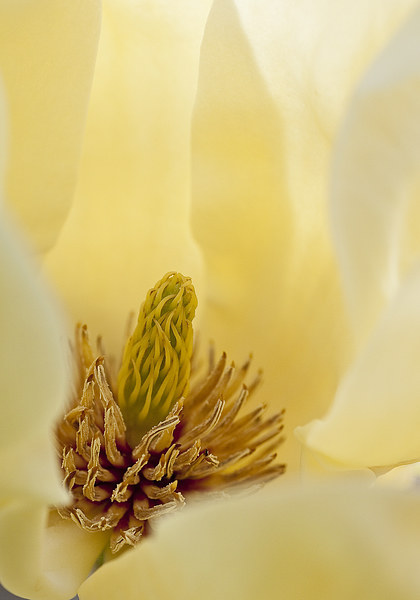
<point x="156" y="366"/>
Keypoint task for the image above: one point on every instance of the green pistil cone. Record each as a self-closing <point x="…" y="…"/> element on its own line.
<point x="156" y="366"/>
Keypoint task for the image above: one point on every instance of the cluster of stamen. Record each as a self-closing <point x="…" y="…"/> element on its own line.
<point x="207" y="443"/>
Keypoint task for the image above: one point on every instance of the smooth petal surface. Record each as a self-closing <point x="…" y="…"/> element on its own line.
<point x="375" y="415"/>
<point x="318" y="544"/>
<point x="32" y="354"/>
<point x="41" y="560"/>
<point x="374" y="418"/>
<point x="33" y="389"/>
<point x="47" y="54"/>
<point x="36" y="561"/>
<point x="404" y="478"/>
<point x="130" y="220"/>
<point x="274" y="81"/>
<point x="375" y="187"/>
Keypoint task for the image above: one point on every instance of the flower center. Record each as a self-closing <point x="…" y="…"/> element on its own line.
<point x="173" y="432"/>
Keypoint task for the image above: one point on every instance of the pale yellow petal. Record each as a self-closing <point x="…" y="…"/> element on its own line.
<point x="329" y="543"/>
<point x="47" y="54"/>
<point x="304" y="32"/>
<point x="68" y="555"/>
<point x="274" y="81"/>
<point x="318" y="467"/>
<point x="41" y="560"/>
<point x="130" y="221"/>
<point x="34" y="561"/>
<point x="404" y="478"/>
<point x="32" y="354"/>
<point x="375" y="191"/>
<point x="3" y="135"/>
<point x="375" y="415"/>
<point x="372" y="421"/>
<point x="33" y="391"/>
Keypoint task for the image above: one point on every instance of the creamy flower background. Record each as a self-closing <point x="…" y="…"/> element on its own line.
<point x="374" y="419"/>
<point x="203" y="137"/>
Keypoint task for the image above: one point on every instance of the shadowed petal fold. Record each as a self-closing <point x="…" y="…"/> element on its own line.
<point x="130" y="219"/>
<point x="274" y="81"/>
<point x="33" y="389"/>
<point x="376" y="182"/>
<point x="374" y="418"/>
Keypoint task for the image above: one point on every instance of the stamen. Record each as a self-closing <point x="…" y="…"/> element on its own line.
<point x="122" y="471"/>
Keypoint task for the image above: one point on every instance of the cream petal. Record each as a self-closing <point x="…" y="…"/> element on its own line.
<point x="32" y="349"/>
<point x="374" y="419"/>
<point x="305" y="32"/>
<point x="318" y="467"/>
<point x="33" y="388"/>
<point x="3" y="136"/>
<point x="315" y="543"/>
<point x="274" y="81"/>
<point x="272" y="290"/>
<point x="43" y="561"/>
<point x="130" y="220"/>
<point x="47" y="54"/>
<point x="68" y="555"/>
<point x="35" y="561"/>
<point x="404" y="478"/>
<point x="29" y="465"/>
<point x="375" y="185"/>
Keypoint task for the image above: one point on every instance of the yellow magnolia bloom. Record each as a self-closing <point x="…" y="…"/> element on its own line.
<point x="207" y="139"/>
<point x="208" y="153"/>
<point x="373" y="421"/>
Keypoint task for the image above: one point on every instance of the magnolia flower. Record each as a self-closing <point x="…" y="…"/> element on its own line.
<point x="373" y="421"/>
<point x="188" y="134"/>
<point x="206" y="149"/>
